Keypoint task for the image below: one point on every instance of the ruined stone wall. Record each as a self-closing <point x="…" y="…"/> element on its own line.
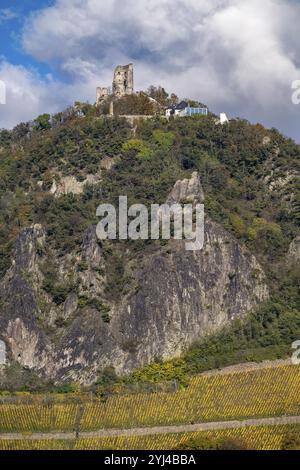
<point x="122" y="84"/>
<point x="101" y="94"/>
<point x="123" y="80"/>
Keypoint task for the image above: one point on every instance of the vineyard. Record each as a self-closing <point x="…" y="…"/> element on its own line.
<point x="255" y="437"/>
<point x="256" y="393"/>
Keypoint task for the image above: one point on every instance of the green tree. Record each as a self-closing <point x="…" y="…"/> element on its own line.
<point x="42" y="122"/>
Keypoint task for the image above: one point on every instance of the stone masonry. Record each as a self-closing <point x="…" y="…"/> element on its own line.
<point x="122" y="84"/>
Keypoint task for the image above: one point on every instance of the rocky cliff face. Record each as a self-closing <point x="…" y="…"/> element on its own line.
<point x="294" y="250"/>
<point x="174" y="298"/>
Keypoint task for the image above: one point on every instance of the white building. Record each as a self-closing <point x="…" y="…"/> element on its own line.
<point x="183" y="110"/>
<point x="223" y="119"/>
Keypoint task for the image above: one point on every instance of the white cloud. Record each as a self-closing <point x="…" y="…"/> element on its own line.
<point x="28" y="94"/>
<point x="25" y="93"/>
<point x="6" y="14"/>
<point x="235" y="55"/>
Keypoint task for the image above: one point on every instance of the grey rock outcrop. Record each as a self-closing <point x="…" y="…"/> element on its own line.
<point x="294" y="250"/>
<point x="176" y="298"/>
<point x="26" y="341"/>
<point x="69" y="184"/>
<point x="187" y="191"/>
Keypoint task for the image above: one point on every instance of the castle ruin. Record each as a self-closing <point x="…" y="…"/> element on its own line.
<point x="123" y="80"/>
<point x="122" y="84"/>
<point x="102" y="94"/>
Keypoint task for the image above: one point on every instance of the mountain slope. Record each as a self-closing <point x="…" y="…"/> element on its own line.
<point x="71" y="306"/>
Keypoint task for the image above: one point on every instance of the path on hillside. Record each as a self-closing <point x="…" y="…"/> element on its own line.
<point x="248" y="367"/>
<point x="212" y="426"/>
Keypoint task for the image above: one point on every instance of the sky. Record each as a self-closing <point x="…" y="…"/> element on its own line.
<point x="237" y="56"/>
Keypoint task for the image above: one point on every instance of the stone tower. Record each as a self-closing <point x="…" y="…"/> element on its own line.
<point x="122" y="84"/>
<point x="123" y="80"/>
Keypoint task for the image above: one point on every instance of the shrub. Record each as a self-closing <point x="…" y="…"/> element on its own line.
<point x="238" y="225"/>
<point x="291" y="441"/>
<point x="164" y="139"/>
<point x="42" y="122"/>
<point x="198" y="443"/>
<point x="140" y="147"/>
<point x="266" y="237"/>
